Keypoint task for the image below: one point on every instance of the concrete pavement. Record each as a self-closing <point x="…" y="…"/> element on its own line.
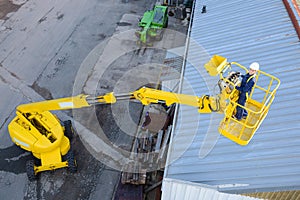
<point x="41" y="48"/>
<point x="53" y="49"/>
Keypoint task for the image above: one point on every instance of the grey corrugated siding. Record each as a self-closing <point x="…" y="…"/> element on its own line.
<point x="242" y="31"/>
<point x="183" y="190"/>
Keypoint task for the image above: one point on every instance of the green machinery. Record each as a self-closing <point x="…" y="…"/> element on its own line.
<point x="152" y="25"/>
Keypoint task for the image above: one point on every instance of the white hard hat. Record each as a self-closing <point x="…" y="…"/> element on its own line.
<point x="254" y="66"/>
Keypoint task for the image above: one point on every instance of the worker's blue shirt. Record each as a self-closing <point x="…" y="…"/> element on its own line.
<point x="246" y="84"/>
<point x="246" y="87"/>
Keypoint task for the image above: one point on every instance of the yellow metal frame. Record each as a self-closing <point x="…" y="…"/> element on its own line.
<point x="216" y="65"/>
<point x="242" y="131"/>
<point x="53" y="166"/>
<point x="49" y="146"/>
<point x="146" y="96"/>
<point x="37" y="130"/>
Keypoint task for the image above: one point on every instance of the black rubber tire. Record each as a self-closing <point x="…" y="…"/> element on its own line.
<point x="37" y="162"/>
<point x="30" y="170"/>
<point x="68" y="129"/>
<point x="72" y="165"/>
<point x="167" y="23"/>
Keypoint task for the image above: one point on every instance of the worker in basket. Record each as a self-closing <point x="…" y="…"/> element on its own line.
<point x="245" y="88"/>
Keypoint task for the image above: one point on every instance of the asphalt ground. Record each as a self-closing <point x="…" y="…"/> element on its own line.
<point x="50" y="50"/>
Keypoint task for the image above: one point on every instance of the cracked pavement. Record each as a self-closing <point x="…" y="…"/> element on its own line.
<point x="42" y="46"/>
<point x="52" y="49"/>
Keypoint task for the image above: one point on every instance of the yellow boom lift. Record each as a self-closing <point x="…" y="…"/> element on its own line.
<point x="37" y="130"/>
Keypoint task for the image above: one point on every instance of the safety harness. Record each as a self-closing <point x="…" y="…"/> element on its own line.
<point x="252" y="76"/>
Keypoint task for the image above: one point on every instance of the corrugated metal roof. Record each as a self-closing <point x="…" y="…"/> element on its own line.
<point x="183" y="190"/>
<point x="242" y="31"/>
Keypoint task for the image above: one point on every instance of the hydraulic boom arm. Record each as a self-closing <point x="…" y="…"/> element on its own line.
<point x="79" y="101"/>
<point x="205" y="104"/>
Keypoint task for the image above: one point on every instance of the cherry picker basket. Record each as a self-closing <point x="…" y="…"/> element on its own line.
<point x="257" y="107"/>
<point x="257" y="104"/>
